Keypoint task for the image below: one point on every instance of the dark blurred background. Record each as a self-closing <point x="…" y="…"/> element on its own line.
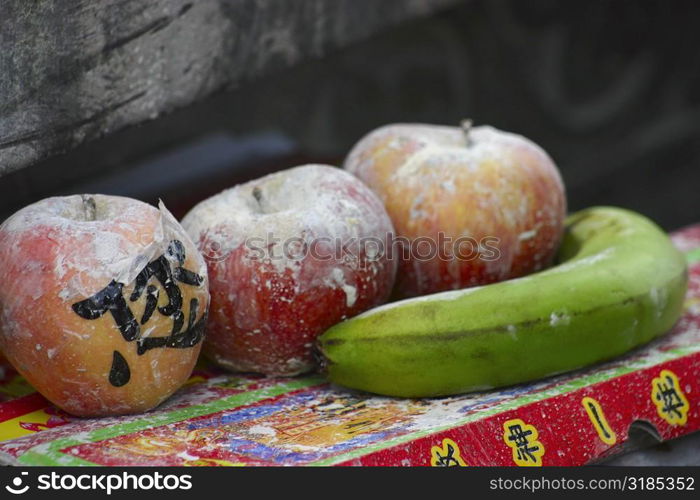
<point x="610" y="89"/>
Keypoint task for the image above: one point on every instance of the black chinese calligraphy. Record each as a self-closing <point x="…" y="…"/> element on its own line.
<point x="448" y="459"/>
<point x="522" y="438"/>
<point x="667" y="395"/>
<point x="159" y="274"/>
<point x="119" y="374"/>
<point x="519" y="437"/>
<point x="597" y="417"/>
<point x="446" y="455"/>
<point x="671" y="403"/>
<point x="604" y="431"/>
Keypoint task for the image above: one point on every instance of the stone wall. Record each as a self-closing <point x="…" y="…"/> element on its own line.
<point x="71" y="71"/>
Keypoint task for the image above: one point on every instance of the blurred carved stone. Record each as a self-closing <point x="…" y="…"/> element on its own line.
<point x="73" y="71"/>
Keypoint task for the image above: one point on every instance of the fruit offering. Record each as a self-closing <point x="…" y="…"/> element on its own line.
<point x="103" y="302"/>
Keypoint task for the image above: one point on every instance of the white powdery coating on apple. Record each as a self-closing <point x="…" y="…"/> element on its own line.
<point x="437" y="146"/>
<point x="120" y="256"/>
<point x="526" y="235"/>
<point x="66" y="249"/>
<point x="338" y="279"/>
<point x="306" y="202"/>
<point x="503" y="174"/>
<point x="481" y="143"/>
<point x="442" y="145"/>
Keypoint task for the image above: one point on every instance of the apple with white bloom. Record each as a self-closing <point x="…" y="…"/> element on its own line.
<point x="492" y="203"/>
<point x="288" y="256"/>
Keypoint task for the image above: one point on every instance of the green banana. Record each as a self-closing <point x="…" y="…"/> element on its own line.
<point x="619" y="283"/>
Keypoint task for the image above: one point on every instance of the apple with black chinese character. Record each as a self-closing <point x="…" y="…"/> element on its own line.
<point x="104" y="302"/>
<point x="289" y="255"/>
<point x="472" y="205"/>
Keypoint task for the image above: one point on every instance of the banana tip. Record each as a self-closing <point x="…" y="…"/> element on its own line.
<point x="320" y="358"/>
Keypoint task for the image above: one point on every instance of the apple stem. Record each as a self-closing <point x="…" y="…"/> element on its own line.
<point x="257" y="194"/>
<point x="466" y="130"/>
<point x="89" y="207"/>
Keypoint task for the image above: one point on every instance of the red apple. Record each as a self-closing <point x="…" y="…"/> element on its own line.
<point x="473" y="205"/>
<point x="288" y="257"/>
<point x="103" y="304"/>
